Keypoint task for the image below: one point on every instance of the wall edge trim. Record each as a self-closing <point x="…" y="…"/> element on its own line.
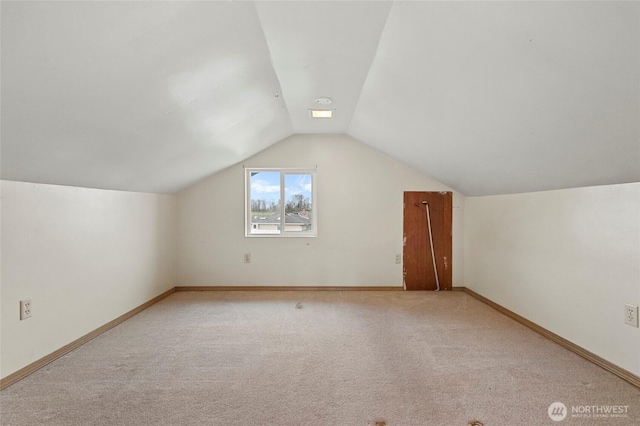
<point x="285" y="288"/>
<point x="36" y="365"/>
<point x="622" y="373"/>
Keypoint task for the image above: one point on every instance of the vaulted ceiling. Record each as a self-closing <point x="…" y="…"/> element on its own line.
<point x="486" y="97"/>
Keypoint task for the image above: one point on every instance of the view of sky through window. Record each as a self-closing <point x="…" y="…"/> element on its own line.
<point x="280" y="202"/>
<point x="266" y="186"/>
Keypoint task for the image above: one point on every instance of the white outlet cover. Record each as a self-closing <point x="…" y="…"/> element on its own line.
<point x="26" y="309"/>
<point x="631" y="315"/>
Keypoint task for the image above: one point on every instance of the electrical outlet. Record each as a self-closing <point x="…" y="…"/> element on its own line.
<point x="247" y="258"/>
<point x="398" y="259"/>
<point x="26" y="309"/>
<point x="631" y="315"/>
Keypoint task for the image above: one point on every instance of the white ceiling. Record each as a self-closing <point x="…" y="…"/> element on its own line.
<point x="487" y="97"/>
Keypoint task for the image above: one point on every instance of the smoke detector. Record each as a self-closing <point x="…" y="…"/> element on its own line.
<point x="323" y="101"/>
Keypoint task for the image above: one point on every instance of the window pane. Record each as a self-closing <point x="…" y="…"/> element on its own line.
<point x="298" y="205"/>
<point x="265" y="203"/>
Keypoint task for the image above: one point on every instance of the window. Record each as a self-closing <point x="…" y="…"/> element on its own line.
<point x="266" y="213"/>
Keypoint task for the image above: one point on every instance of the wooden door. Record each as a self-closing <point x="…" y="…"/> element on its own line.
<point x="418" y="267"/>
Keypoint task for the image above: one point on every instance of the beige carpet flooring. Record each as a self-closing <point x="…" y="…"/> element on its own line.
<point x="316" y="358"/>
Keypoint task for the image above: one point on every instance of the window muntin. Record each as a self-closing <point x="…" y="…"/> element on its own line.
<point x="268" y="215"/>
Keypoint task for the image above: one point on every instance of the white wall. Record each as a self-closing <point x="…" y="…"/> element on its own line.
<point x="360" y="195"/>
<point x="567" y="260"/>
<point x="85" y="257"/>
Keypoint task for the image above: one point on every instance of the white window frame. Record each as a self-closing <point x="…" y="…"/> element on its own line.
<point x="313" y="232"/>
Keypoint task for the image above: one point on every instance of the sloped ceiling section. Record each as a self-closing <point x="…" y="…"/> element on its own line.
<point x="322" y="49"/>
<point x="507" y="97"/>
<point x="140" y="96"/>
<point x="487" y="97"/>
